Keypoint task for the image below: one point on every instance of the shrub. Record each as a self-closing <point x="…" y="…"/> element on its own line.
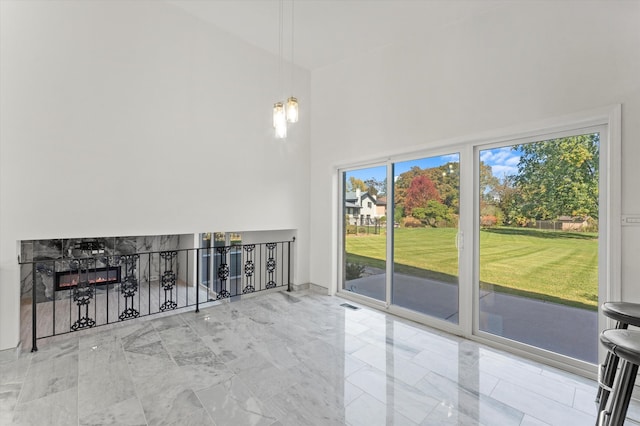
<point x="353" y="271"/>
<point x="488" y="221"/>
<point x="412" y="222"/>
<point x="591" y="226"/>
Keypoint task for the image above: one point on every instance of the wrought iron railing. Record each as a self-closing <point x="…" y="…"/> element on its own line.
<point x="106" y="289"/>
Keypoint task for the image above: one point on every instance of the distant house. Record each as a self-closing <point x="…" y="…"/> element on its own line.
<point x="361" y="208"/>
<point x="573" y="223"/>
<point x="381" y="206"/>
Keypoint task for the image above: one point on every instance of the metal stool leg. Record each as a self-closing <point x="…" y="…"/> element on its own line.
<point x="605" y="380"/>
<point x="622" y="390"/>
<point x="607" y="373"/>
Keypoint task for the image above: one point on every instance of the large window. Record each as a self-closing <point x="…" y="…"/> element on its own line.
<point x="539" y="251"/>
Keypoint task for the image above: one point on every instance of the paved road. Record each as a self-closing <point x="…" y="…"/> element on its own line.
<point x="558" y="328"/>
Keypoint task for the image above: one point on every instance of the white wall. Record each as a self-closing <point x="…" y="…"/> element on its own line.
<point x="134" y="118"/>
<point x="517" y="63"/>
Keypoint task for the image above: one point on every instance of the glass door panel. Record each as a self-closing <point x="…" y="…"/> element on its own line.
<point x="364" y="232"/>
<point x="425" y="253"/>
<point x="538" y="238"/>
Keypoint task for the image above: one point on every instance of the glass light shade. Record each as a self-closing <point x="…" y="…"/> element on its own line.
<point x="281" y="130"/>
<point x="279" y="115"/>
<point x="292" y="110"/>
<point x="280" y="120"/>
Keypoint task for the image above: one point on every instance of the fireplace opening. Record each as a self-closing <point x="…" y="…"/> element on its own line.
<point x="98" y="276"/>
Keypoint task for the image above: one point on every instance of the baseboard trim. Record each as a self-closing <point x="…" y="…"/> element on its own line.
<point x="315" y="288"/>
<point x="10" y="354"/>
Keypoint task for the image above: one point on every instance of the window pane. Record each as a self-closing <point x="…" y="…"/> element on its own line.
<point x="365" y="239"/>
<point x="539" y="244"/>
<point x="425" y="256"/>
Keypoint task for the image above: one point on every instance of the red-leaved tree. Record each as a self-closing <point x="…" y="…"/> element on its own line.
<point x="420" y="191"/>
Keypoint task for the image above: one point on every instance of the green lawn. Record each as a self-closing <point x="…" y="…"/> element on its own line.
<point x="561" y="267"/>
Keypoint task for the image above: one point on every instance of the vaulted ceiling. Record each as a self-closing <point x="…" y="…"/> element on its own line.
<point x="329" y="31"/>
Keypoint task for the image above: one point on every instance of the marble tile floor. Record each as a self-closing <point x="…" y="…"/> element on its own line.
<point x="283" y="359"/>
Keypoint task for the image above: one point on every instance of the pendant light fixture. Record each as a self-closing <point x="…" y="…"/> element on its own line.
<point x="280" y="120"/>
<point x="284" y="113"/>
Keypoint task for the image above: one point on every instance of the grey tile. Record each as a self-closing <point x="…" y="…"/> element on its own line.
<point x="412" y="402"/>
<point x="531" y="421"/>
<point x="232" y="403"/>
<point x="8" y="355"/>
<point x="126" y="413"/>
<point x="368" y="411"/>
<point x="6" y="417"/>
<point x="152" y="373"/>
<point x="198" y="417"/>
<point x="477" y="406"/>
<point x="170" y="404"/>
<point x="15" y="371"/>
<point x="104" y="379"/>
<point x="141" y="337"/>
<point x="263" y="378"/>
<point x="446" y="414"/>
<point x="56" y="409"/>
<point x="538" y="406"/>
<point x="9" y="394"/>
<point x="57" y="347"/>
<point x="55" y="374"/>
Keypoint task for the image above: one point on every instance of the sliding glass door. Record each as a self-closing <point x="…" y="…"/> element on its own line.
<point x="538" y="244"/>
<point x="537" y="258"/>
<point x="425" y="253"/>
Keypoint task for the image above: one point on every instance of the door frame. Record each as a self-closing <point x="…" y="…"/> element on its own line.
<point x="608" y="118"/>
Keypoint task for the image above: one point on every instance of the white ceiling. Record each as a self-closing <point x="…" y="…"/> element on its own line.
<point x="328" y="31"/>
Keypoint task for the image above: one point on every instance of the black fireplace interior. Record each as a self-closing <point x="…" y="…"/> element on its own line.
<point x="98" y="276"/>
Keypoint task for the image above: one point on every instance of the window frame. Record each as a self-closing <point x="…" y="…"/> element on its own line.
<point x="608" y="119"/>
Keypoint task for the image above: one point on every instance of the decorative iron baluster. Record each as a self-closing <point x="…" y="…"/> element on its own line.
<point x="129" y="286"/>
<point x="82" y="295"/>
<point x="223" y="273"/>
<point x="249" y="269"/>
<point x="168" y="280"/>
<point x="271" y="264"/>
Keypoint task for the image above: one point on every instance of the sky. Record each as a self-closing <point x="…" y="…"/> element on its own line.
<point x="503" y="162"/>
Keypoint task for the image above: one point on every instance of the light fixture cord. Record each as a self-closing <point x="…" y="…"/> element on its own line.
<point x="281" y="45"/>
<point x="292" y="33"/>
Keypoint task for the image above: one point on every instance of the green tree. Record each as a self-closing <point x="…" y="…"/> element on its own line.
<point x="559" y="177"/>
<point x="398" y="213"/>
<point x="506" y="199"/>
<point x="355" y="183"/>
<point x="402" y="184"/>
<point x="433" y="212"/>
<point x="488" y="183"/>
<point x="447" y="181"/>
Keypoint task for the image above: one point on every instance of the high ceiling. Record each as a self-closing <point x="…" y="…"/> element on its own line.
<point x="328" y="31"/>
